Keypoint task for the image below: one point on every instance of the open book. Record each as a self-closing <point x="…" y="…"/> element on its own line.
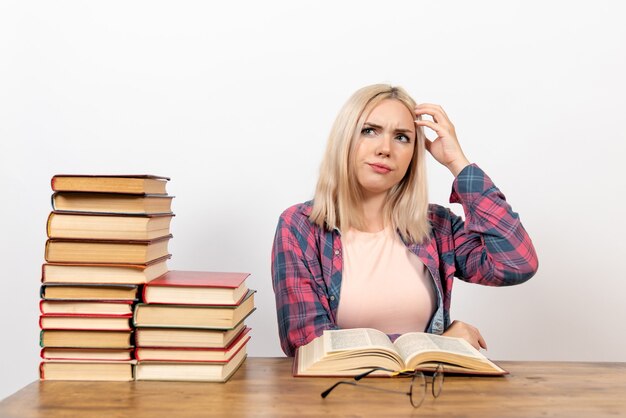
<point x="349" y="352"/>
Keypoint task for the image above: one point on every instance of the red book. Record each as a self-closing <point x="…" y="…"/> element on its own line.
<point x="196" y="288"/>
<point x="186" y="354"/>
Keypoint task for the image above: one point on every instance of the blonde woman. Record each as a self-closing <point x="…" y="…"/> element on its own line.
<point x="370" y="251"/>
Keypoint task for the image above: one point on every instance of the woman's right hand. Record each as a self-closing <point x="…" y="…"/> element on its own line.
<point x="468" y="332"/>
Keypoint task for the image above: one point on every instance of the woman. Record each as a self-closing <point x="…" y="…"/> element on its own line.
<point x="369" y="251"/>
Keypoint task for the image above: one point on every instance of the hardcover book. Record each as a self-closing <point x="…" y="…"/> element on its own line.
<point x="85" y="339"/>
<point x="87" y="371"/>
<point x="193" y="316"/>
<point x="105" y="251"/>
<point x="196" y="288"/>
<point x="91" y="291"/>
<point x="187" y="354"/>
<point x="190" y="371"/>
<point x="111" y="203"/>
<point x="123" y="183"/>
<point x="75" y="225"/>
<point x="103" y="273"/>
<point x="79" y="307"/>
<point x="85" y="322"/>
<point x="187" y="337"/>
<point x="87" y="354"/>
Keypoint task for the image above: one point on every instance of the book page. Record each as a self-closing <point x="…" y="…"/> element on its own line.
<point x="354" y="339"/>
<point x="415" y="342"/>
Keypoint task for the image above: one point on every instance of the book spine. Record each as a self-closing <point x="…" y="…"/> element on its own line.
<point x="49" y="224"/>
<point x="41" y="372"/>
<point x="53" y="201"/>
<point x="41" y="338"/>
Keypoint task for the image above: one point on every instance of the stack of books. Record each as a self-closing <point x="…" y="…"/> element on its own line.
<point x="107" y="236"/>
<point x="191" y="326"/>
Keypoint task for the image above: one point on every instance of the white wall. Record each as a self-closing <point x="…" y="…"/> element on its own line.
<point x="234" y="100"/>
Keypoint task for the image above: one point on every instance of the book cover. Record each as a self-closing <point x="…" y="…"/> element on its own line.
<point x="85" y="322"/>
<point x="80" y="307"/>
<point x="103" y="273"/>
<point x="197" y="288"/>
<point x="106" y="251"/>
<point x="193" y="316"/>
<point x="106" y="226"/>
<point x="89" y="291"/>
<point x="113" y="203"/>
<point x="110" y="183"/>
<point x="189" y="354"/>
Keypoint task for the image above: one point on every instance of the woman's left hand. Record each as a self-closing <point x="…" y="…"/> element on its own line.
<point x="445" y="148"/>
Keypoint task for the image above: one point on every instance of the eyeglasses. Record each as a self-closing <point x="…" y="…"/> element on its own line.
<point x="417" y="389"/>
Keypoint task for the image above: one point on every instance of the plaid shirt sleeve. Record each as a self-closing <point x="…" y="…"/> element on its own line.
<point x="491" y="246"/>
<point x="301" y="299"/>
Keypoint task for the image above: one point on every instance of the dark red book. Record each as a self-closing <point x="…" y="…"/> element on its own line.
<point x="187" y="354"/>
<point x="196" y="288"/>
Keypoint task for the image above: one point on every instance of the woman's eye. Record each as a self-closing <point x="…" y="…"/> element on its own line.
<point x="368" y="131"/>
<point x="403" y="138"/>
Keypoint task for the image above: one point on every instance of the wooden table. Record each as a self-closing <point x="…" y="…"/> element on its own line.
<point x="265" y="387"/>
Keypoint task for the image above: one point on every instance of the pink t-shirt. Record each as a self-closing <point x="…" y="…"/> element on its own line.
<point x="383" y="285"/>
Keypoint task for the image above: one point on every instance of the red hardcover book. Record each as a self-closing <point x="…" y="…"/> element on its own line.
<point x="197" y="288"/>
<point x="186" y="354"/>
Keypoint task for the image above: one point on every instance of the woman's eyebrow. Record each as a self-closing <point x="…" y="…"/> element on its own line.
<point x="399" y="130"/>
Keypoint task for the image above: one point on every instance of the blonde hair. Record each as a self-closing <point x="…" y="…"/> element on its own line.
<point x="337" y="194"/>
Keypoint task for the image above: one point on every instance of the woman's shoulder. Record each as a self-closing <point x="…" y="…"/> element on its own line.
<point x="299" y="210"/>
<point x="297" y="215"/>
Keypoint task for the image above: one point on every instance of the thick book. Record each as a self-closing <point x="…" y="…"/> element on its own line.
<point x="349" y="352"/>
<point x="196" y="288"/>
<point x="106" y="183"/>
<point x="187" y="354"/>
<point x="187" y="337"/>
<point x="87" y="354"/>
<point x="190" y="371"/>
<point x="75" y="225"/>
<point x="79" y="307"/>
<point x="85" y="339"/>
<point x="103" y="273"/>
<point x="149" y="204"/>
<point x="86" y="370"/>
<point x="106" y="251"/>
<point x="91" y="291"/>
<point x="193" y="316"/>
<point x="86" y="322"/>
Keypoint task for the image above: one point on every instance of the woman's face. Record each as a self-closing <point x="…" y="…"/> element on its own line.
<point x="385" y="147"/>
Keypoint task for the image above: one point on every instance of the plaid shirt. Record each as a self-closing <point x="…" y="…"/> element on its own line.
<point x="491" y="248"/>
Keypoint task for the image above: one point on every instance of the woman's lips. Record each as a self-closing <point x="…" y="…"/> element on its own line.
<point x="380" y="168"/>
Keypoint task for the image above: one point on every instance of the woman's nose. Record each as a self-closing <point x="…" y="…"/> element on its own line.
<point x="384" y="146"/>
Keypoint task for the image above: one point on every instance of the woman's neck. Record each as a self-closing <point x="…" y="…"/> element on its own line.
<point x="373" y="210"/>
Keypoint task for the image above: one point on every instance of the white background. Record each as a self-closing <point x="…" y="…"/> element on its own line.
<point x="234" y="101"/>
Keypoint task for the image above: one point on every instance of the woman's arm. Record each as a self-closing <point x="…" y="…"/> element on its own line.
<point x="491" y="246"/>
<point x="301" y="306"/>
